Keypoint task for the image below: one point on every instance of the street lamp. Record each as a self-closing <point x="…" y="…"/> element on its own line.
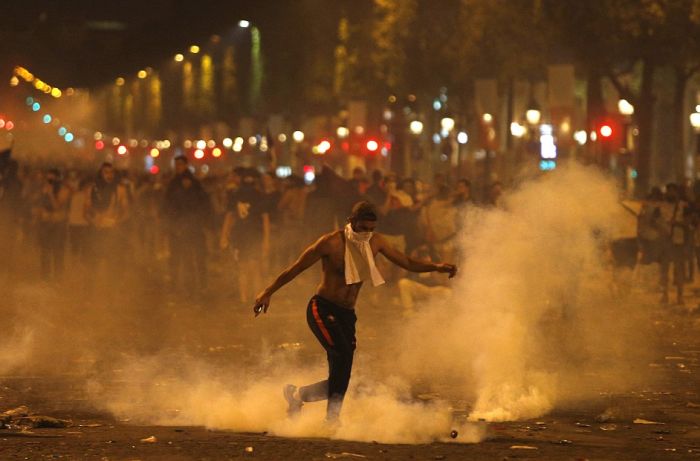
<point x="342" y="132"/>
<point x="695" y="120"/>
<point x="243" y="24"/>
<point x="625" y="107"/>
<point x="416" y="127"/>
<point x="298" y="136"/>
<point x="447" y="124"/>
<point x="517" y="130"/>
<point x="533" y="116"/>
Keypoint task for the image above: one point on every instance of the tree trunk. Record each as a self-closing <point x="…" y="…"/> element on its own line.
<point x="676" y="143"/>
<point x="644" y="115"/>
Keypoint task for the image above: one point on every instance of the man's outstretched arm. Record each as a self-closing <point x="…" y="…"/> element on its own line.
<point x="410" y="264"/>
<point x="307" y="259"/>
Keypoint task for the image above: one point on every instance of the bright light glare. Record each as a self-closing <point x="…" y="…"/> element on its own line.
<point x="324" y="146"/>
<point x="517" y="130"/>
<point x="227" y="142"/>
<point x="447" y="123"/>
<point x="199" y="154"/>
<point x="462" y="137"/>
<point x="695" y="119"/>
<point x="533" y="116"/>
<point x="201" y="144"/>
<point x="342" y="132"/>
<point x="121" y="150"/>
<point x="625" y="107"/>
<point x="216" y="152"/>
<point x="487" y="118"/>
<point x="179" y="57"/>
<point x="244" y="24"/>
<point x="416" y="127"/>
<point x="372" y="145"/>
<point x="580" y="137"/>
<point x="606" y="131"/>
<point x="194" y="49"/>
<point x="298" y="136"/>
<point x="155" y="152"/>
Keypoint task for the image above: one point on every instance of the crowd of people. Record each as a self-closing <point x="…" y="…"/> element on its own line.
<point x="668" y="234"/>
<point x="95" y="224"/>
<point x="98" y="224"/>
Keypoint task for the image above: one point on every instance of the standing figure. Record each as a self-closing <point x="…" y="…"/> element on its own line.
<point x="347" y="257"/>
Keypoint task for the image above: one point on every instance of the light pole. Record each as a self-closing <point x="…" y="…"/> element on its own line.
<point x="695" y="123"/>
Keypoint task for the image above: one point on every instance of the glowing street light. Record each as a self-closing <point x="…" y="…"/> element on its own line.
<point x="517" y="130"/>
<point x="243" y="24"/>
<point x="194" y="49"/>
<point x="298" y="136"/>
<point x="625" y="107"/>
<point x="416" y="127"/>
<point x="695" y="120"/>
<point x="342" y="132"/>
<point x="179" y="57"/>
<point x="462" y="137"/>
<point x="448" y="123"/>
<point x="533" y="116"/>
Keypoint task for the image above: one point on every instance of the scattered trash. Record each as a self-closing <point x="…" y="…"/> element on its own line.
<point x="36" y="422"/>
<point x="523" y="447"/>
<point x="645" y="421"/>
<point x="344" y="454"/>
<point x="17" y="412"/>
<point x="21" y="418"/>
<point x="151" y="439"/>
<point x="608" y="427"/>
<point x="610" y="414"/>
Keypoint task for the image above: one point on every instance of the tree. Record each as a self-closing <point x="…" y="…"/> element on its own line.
<point x="626" y="41"/>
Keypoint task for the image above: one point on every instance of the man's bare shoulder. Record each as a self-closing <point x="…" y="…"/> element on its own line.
<point x="327" y="242"/>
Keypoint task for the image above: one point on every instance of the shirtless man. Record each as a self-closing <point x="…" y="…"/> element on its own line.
<point x="347" y="256"/>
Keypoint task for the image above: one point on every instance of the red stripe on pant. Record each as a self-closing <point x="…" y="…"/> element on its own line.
<point x="324" y="331"/>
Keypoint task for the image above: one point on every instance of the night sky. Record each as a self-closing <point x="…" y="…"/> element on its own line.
<point x="84" y="43"/>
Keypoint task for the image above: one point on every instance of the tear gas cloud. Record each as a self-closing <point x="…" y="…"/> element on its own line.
<point x="536" y="319"/>
<point x="533" y="311"/>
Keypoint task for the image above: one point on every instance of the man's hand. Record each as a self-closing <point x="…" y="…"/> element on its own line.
<point x="262" y="303"/>
<point x="447" y="269"/>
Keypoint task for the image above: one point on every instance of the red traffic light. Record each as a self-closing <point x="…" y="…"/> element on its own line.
<point x="606" y="130"/>
<point x="372" y="145"/>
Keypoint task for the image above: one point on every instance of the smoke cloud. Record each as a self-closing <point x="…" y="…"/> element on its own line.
<point x="535" y="310"/>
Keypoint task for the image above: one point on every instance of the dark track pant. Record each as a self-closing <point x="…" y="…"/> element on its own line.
<point x="334" y="327"/>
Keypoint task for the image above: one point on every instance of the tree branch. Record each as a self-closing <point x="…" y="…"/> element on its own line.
<point x="623" y="90"/>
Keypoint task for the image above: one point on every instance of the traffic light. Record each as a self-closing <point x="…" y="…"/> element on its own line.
<point x="606" y="131"/>
<point x="372" y="145"/>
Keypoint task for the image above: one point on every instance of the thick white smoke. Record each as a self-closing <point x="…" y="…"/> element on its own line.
<point x="534" y="308"/>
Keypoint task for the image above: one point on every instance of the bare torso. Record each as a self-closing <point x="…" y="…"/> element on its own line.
<point x="333" y="287"/>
